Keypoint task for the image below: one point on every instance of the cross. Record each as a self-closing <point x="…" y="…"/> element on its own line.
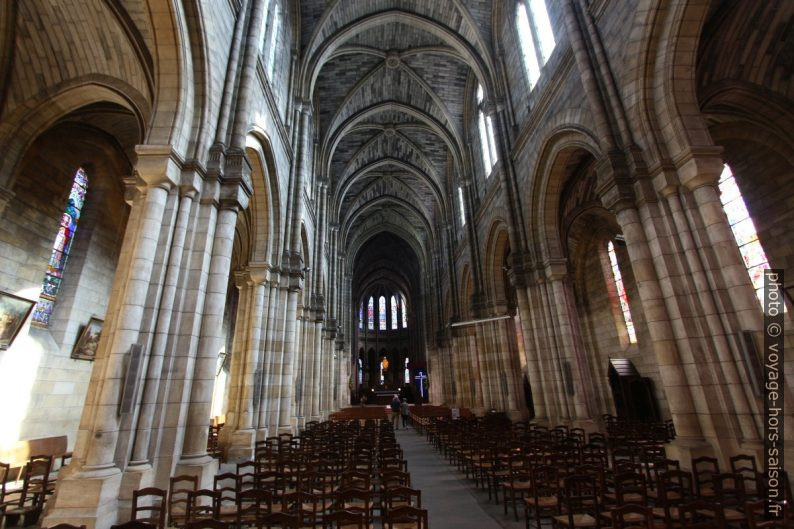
<point x="421" y="377"/>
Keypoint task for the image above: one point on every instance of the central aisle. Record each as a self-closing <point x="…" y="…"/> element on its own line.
<point x="450" y="502"/>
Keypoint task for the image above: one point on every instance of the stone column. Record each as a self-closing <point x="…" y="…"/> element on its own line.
<point x="88" y="490"/>
<point x="139" y="472"/>
<point x="234" y="196"/>
<point x="674" y="377"/>
<point x="273" y="308"/>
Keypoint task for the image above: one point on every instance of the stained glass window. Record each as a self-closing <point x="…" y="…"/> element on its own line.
<point x="622" y="297"/>
<point x="487" y="141"/>
<point x="60" y="249"/>
<point x="394" y="320"/>
<point x="407" y="378"/>
<point x="535" y="36"/>
<point x="405" y="312"/>
<point x="755" y="260"/>
<point x="382" y="313"/>
<point x="361" y="316"/>
<point x="360" y="372"/>
<point x="371" y="314"/>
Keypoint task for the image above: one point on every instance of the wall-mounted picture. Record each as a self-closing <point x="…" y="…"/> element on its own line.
<point x="85" y="347"/>
<point x="14" y="311"/>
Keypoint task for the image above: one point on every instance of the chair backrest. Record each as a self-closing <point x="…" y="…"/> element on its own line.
<point x="179" y="487"/>
<point x="5" y="470"/>
<point x="252" y="504"/>
<point x="632" y="516"/>
<point x="405" y="517"/>
<point x="65" y="526"/>
<point x="395" y="478"/>
<point x="674" y="487"/>
<point x="402" y="496"/>
<point x="703" y="470"/>
<point x="629" y="485"/>
<point x="203" y="504"/>
<point x="343" y="518"/>
<point x="149" y="505"/>
<point x="580" y="494"/>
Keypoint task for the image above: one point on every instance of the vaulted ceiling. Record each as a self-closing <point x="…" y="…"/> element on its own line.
<point x="388" y="80"/>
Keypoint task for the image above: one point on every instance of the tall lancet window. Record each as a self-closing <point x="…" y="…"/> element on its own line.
<point x="621" y="290"/>
<point x="394" y="321"/>
<point x="274" y="30"/>
<point x="405" y="312"/>
<point x="382" y="313"/>
<point x="461" y="207"/>
<point x="535" y="36"/>
<point x="371" y="314"/>
<point x="743" y="228"/>
<point x="361" y="316"/>
<point x="60" y="249"/>
<point x="487" y="142"/>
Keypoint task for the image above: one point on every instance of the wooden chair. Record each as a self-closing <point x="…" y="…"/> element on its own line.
<point x="630" y="487"/>
<point x="700" y="514"/>
<point x="744" y="466"/>
<point x="228" y="485"/>
<point x="631" y="516"/>
<point x="729" y="493"/>
<point x="399" y="496"/>
<point x="517" y="483"/>
<point x="179" y="488"/>
<point x="343" y="519"/>
<point x="544" y="494"/>
<point x="149" y="505"/>
<point x="27" y="503"/>
<point x="580" y="503"/>
<point x="246" y="475"/>
<point x="65" y="526"/>
<point x="203" y="504"/>
<point x="704" y="469"/>
<point x="304" y="505"/>
<point x="405" y="517"/>
<point x="252" y="505"/>
<point x="355" y="500"/>
<point x="673" y="488"/>
<point x="394" y="478"/>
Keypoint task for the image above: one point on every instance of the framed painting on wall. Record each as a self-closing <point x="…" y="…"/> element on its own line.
<point x="85" y="347"/>
<point x="14" y="311"/>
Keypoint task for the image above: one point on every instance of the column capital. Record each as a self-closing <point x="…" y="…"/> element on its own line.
<point x="699" y="166"/>
<point x="555" y="269"/>
<point x="236" y="187"/>
<point x="158" y="165"/>
<point x="260" y="273"/>
<point x="614" y="184"/>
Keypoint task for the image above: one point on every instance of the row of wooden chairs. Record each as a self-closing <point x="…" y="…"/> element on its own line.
<point x="26" y="501"/>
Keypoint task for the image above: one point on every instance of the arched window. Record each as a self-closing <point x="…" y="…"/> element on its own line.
<point x="394" y="320"/>
<point x="405" y="312"/>
<point x="407" y="378"/>
<point x="743" y="228"/>
<point x="360" y="372"/>
<point x="371" y="314"/>
<point x="535" y="35"/>
<point x="382" y="313"/>
<point x="271" y="27"/>
<point x="487" y="143"/>
<point x="60" y="249"/>
<point x="621" y="290"/>
<point x="460" y="205"/>
<point x="361" y="316"/>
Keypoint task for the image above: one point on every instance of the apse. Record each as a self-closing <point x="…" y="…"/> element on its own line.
<point x="388" y="350"/>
